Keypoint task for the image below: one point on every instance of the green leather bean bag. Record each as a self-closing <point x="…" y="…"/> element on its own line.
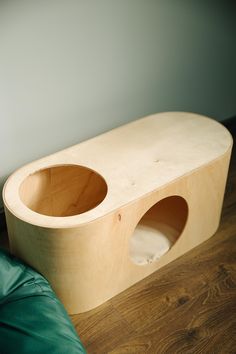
<point x="32" y="319"/>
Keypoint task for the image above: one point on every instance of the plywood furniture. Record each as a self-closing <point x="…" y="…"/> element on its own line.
<point x="76" y="215"/>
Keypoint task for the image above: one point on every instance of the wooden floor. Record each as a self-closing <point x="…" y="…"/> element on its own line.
<point x="189" y="306"/>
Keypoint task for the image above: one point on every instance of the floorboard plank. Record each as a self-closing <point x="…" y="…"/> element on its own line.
<point x="101" y="329"/>
<point x="197" y="326"/>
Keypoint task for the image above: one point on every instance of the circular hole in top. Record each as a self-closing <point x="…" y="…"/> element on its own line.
<point x="63" y="190"/>
<point x="158" y="230"/>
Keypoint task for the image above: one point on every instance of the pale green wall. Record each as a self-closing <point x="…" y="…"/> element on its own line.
<point x="70" y="70"/>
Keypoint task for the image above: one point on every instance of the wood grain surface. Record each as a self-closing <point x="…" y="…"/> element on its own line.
<point x="189" y="306"/>
<point x="80" y="216"/>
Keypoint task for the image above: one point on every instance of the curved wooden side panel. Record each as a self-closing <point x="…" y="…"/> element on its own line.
<point x="89" y="263"/>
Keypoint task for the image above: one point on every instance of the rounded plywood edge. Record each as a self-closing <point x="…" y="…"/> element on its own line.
<point x="63" y="191"/>
<point x="158" y="230"/>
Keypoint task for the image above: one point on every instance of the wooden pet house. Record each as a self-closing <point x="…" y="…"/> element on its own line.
<point x="99" y="216"/>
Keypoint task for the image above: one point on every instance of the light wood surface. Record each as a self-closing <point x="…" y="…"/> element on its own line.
<point x="187" y="307"/>
<point x="72" y="215"/>
<point x="63" y="190"/>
